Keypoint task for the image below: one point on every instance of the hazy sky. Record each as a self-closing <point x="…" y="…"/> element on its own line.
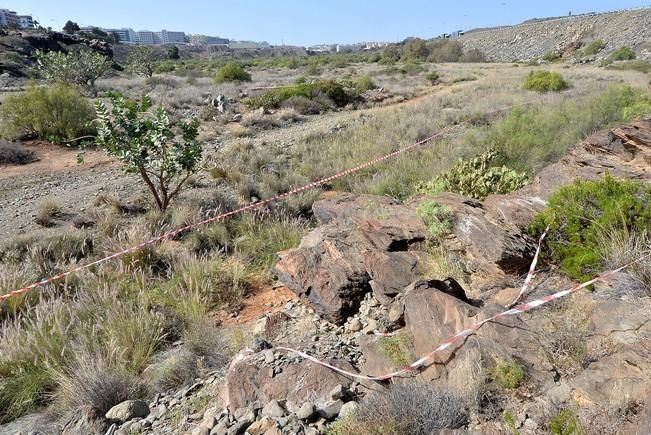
<point x="305" y="22"/>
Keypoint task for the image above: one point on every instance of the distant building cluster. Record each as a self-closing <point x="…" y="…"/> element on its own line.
<point x="346" y="48"/>
<point x="10" y="19"/>
<point x="207" y="40"/>
<point x="129" y="36"/>
<point x="147" y="37"/>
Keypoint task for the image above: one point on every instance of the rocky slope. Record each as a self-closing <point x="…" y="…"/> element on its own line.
<point x="534" y="39"/>
<point x="17" y="50"/>
<point x="364" y="288"/>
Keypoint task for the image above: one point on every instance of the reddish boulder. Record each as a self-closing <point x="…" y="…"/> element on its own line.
<point x="249" y="383"/>
<point x="329" y="269"/>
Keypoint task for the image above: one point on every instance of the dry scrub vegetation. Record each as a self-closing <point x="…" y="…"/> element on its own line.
<point x="113" y="329"/>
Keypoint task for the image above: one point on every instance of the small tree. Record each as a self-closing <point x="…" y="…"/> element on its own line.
<point x="173" y="53"/>
<point x="71" y="27"/>
<point x="147" y="143"/>
<point x="79" y="68"/>
<point x="141" y="61"/>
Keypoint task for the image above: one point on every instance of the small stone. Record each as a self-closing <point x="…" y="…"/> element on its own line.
<point x="348" y="409"/>
<point x="306" y="411"/>
<point x="238" y="428"/>
<point x="269" y="356"/>
<point x="370" y="327"/>
<point x="337" y="392"/>
<point x="330" y="410"/>
<point x="244" y="415"/>
<point x="128" y="410"/>
<point x="209" y="421"/>
<point x="201" y="430"/>
<point x="355" y="325"/>
<point x="220" y="429"/>
<point x="259" y="344"/>
<point x="260" y="427"/>
<point x="397" y="313"/>
<point x="272" y="409"/>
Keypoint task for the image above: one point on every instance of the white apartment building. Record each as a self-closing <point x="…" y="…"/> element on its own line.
<point x="147" y="37"/>
<point x="12" y="20"/>
<point x="123" y="35"/>
<point x="168" y="37"/>
<point x="25" y="21"/>
<point x="9" y="19"/>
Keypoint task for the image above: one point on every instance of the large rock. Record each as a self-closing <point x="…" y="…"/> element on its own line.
<point x="490" y="242"/>
<point x="436" y="310"/>
<point x="624" y="151"/>
<point x="616" y="379"/>
<point x="249" y="384"/>
<point x="128" y="410"/>
<point x="329" y="270"/>
<point x="391" y="272"/>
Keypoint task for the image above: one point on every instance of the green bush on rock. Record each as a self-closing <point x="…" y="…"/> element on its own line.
<point x="579" y="213"/>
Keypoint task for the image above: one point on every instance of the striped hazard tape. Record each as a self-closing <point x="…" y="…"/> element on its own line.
<point x="423" y="362"/>
<point x="240" y="210"/>
<point x="223" y="216"/>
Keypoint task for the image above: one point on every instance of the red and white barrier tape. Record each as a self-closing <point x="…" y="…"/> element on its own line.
<point x="532" y="271"/>
<point x="223" y="216"/>
<point x="237" y="211"/>
<point x="420" y="363"/>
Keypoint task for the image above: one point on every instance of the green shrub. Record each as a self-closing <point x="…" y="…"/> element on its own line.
<point x="397" y="349"/>
<point x="364" y="84"/>
<point x="551" y="56"/>
<point x="477" y="178"/>
<point x="302" y="105"/>
<point x="329" y="89"/>
<point x="530" y="138"/>
<point x="508" y="375"/>
<point x="312" y="70"/>
<point x="566" y="423"/>
<point x="622" y="53"/>
<point x="433" y="77"/>
<point x="577" y="214"/>
<point x="594" y="47"/>
<point x="411" y="69"/>
<point x="633" y="65"/>
<point x="437" y="217"/>
<point x="56" y="113"/>
<point x="232" y="72"/>
<point x="545" y="81"/>
<point x="509" y="420"/>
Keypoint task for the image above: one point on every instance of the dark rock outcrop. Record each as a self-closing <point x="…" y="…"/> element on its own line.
<point x="331" y="266"/>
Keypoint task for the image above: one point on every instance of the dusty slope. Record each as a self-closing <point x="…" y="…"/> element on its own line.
<point x="533" y="40"/>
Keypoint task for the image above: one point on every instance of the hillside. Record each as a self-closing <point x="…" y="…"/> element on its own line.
<point x="533" y="39"/>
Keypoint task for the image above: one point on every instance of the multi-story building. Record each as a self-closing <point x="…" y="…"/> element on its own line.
<point x="147" y="37"/>
<point x="207" y="40"/>
<point x="25" y="21"/>
<point x="9" y="19"/>
<point x="168" y="37"/>
<point x="123" y="35"/>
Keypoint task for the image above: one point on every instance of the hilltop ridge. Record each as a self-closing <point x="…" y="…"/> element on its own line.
<point x="533" y="39"/>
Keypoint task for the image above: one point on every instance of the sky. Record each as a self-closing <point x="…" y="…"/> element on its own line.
<point x="303" y="22"/>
